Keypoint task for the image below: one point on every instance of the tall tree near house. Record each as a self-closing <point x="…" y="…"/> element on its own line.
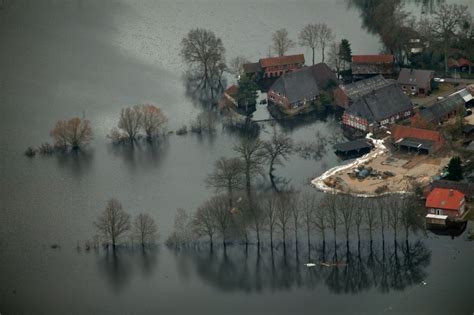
<point x="114" y="222"/>
<point x="247" y="92"/>
<point x="236" y="65"/>
<point x="202" y="50"/>
<point x="74" y="132"/>
<point x="204" y="223"/>
<point x="153" y="120"/>
<point x="325" y="37"/>
<point x="455" y="169"/>
<point x="281" y="42"/>
<point x="277" y="148"/>
<point x="334" y="58"/>
<point x="447" y="23"/>
<point x="145" y="229"/>
<point x="269" y="206"/>
<point x="308" y="37"/>
<point x="345" y="52"/>
<point x="131" y="121"/>
<point x="252" y="155"/>
<point x="227" y="176"/>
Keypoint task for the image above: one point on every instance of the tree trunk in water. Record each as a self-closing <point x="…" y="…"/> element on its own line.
<point x="322" y="51"/>
<point x="313" y="54"/>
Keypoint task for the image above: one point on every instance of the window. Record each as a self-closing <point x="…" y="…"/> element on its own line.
<point x="412" y="88"/>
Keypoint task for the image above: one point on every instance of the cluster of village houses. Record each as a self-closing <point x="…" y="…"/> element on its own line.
<point x="378" y="97"/>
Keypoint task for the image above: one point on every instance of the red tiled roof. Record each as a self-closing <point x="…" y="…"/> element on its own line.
<point x="231" y="90"/>
<point x="280" y="61"/>
<point x="373" y="59"/>
<point x="441" y="198"/>
<point x="399" y="132"/>
<point x="464" y="62"/>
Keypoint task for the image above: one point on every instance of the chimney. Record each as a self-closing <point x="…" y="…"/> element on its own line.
<point x="451" y="193"/>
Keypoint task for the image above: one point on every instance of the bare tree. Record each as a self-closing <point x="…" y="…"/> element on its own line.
<point x="382" y="204"/>
<point x="204" y="222"/>
<point x="308" y="205"/>
<point x="227" y="176"/>
<point x="236" y="65"/>
<point x="335" y="58"/>
<point x="308" y="37"/>
<point x="370" y="216"/>
<point x="256" y="215"/>
<point x="153" y="120"/>
<point x="320" y="221"/>
<point x="280" y="146"/>
<point x="358" y="216"/>
<point x="252" y="154"/>
<point x="269" y="206"/>
<point x="346" y="207"/>
<point x="325" y="37"/>
<point x="74" y="132"/>
<point x="145" y="229"/>
<point x="204" y="51"/>
<point x="205" y="121"/>
<point x="182" y="233"/>
<point x="329" y="202"/>
<point x="448" y="21"/>
<point x="281" y="42"/>
<point x="131" y="121"/>
<point x="296" y="213"/>
<point x="284" y="214"/>
<point x="222" y="215"/>
<point x="114" y="222"/>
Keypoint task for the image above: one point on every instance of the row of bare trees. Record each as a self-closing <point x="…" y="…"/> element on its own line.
<point x="287" y="215"/>
<point x="114" y="224"/>
<point x="133" y="120"/>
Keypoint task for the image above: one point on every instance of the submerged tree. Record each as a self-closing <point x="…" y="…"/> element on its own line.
<point x="114" y="222"/>
<point x="308" y="204"/>
<point x="227" y="176"/>
<point x="202" y="50"/>
<point x="145" y="229"/>
<point x="269" y="206"/>
<point x="182" y="233"/>
<point x="131" y="121"/>
<point x="222" y="216"/>
<point x="281" y="42"/>
<point x="280" y="146"/>
<point x="204" y="223"/>
<point x="74" y="132"/>
<point x="236" y="65"/>
<point x="153" y="120"/>
<point x="252" y="155"/>
<point x="284" y="213"/>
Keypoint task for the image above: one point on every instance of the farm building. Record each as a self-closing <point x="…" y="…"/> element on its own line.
<point x="416" y="139"/>
<point x="274" y="67"/>
<point x="440" y="111"/>
<point x="364" y="66"/>
<point x="415" y="81"/>
<point x="345" y="95"/>
<point x="443" y="201"/>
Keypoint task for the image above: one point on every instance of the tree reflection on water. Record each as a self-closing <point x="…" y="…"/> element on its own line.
<point x="384" y="267"/>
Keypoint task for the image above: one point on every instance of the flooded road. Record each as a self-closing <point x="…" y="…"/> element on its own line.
<point x="60" y="59"/>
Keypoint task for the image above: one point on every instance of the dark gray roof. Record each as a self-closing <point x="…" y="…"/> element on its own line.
<point x="353" y="145"/>
<point x="360" y="88"/>
<point x="250" y="68"/>
<point x="297" y="86"/>
<point x="322" y="74"/>
<point x="415" y="77"/>
<point x="416" y="143"/>
<point x="442" y="108"/>
<point x="381" y="104"/>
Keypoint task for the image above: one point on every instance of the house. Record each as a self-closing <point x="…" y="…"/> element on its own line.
<point x="378" y="108"/>
<point x="345" y="95"/>
<point x="439" y="111"/>
<point x="274" y="67"/>
<point x="364" y="66"/>
<point x="448" y="202"/>
<point x="295" y="89"/>
<point x="231" y="94"/>
<point x="416" y="139"/>
<point x="416" y="81"/>
<point x="466" y="188"/>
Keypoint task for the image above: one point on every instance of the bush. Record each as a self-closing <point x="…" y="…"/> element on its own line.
<point x="30" y="152"/>
<point x="46" y="149"/>
<point x="182" y="131"/>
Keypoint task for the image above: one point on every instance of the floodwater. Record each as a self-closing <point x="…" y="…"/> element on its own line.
<point x="60" y="59"/>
